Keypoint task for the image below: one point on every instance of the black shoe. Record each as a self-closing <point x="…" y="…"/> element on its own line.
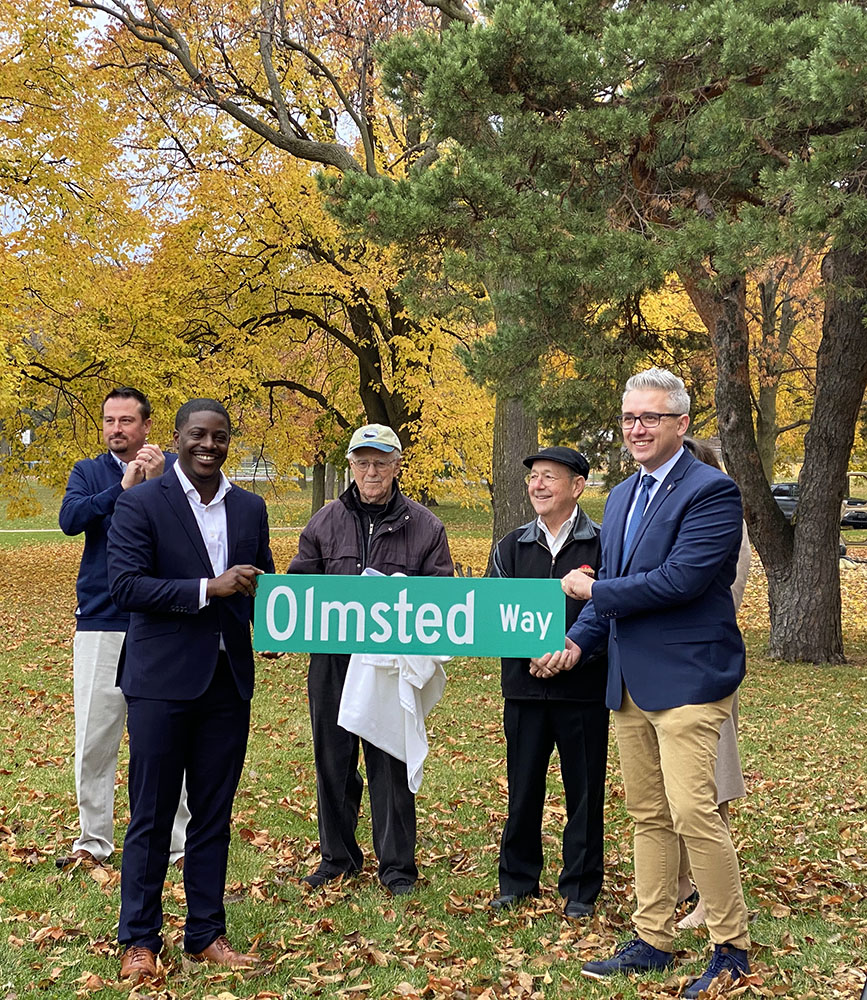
<point x="726" y="958"/>
<point x="509" y="899"/>
<point x="319" y="878"/>
<point x="634" y="956"/>
<point x="576" y="910"/>
<point x="403" y="887"/>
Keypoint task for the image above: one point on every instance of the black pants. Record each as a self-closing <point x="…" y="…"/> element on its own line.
<point x="339" y="786"/>
<point x="579" y="730"/>
<point x="207" y="737"/>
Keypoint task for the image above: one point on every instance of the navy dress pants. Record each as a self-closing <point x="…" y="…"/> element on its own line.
<point x="207" y="737"/>
<point x="339" y="786"/>
<point x="579" y="730"/>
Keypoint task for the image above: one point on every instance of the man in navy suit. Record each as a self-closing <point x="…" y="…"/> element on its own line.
<point x="670" y="540"/>
<point x="184" y="552"/>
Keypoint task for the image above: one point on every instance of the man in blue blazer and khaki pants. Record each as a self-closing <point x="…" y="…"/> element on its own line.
<point x="670" y="540"/>
<point x="184" y="552"/>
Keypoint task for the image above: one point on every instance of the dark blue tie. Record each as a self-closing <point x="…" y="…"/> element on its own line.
<point x="637" y="515"/>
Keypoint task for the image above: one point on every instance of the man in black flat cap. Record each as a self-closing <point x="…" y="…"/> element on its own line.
<point x="567" y="711"/>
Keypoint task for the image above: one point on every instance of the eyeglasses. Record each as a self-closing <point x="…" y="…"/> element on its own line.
<point x="534" y="478"/>
<point x="378" y="464"/>
<point x="648" y="420"/>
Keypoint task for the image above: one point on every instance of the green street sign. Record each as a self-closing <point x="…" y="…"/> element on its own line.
<point x="444" y="616"/>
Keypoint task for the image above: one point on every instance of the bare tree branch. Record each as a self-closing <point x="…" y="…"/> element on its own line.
<point x="359" y="121"/>
<point x="313" y="394"/>
<point x="159" y="31"/>
<point x="452" y="9"/>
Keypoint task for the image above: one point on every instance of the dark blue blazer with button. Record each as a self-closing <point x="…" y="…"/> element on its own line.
<point x="668" y="614"/>
<point x="156" y="558"/>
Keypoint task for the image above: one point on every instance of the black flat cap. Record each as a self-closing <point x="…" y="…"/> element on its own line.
<point x="572" y="459"/>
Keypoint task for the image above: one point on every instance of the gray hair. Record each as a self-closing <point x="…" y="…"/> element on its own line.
<point x="659" y="378"/>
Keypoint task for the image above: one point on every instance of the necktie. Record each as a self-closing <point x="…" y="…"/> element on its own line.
<point x="637" y="515"/>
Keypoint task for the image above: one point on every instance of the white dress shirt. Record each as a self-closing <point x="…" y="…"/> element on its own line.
<point x="555" y="543"/>
<point x="658" y="476"/>
<point x="211" y="519"/>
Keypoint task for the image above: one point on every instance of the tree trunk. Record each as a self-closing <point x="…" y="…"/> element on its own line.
<point x="516" y="435"/>
<point x="329" y="481"/>
<point x="801" y="562"/>
<point x="806" y="617"/>
<point x="381" y="404"/>
<point x="766" y="427"/>
<point x="614" y="475"/>
<point x="769" y="531"/>
<point x="318" y="499"/>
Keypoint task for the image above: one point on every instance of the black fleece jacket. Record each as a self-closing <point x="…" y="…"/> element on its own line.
<point x="524" y="553"/>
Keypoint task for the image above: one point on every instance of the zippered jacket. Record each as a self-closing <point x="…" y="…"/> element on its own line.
<point x="341" y="538"/>
<point x="525" y="553"/>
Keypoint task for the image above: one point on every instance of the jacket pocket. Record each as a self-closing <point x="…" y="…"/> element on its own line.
<point x="708" y="633"/>
<point x="245" y="551"/>
<point x="147" y="630"/>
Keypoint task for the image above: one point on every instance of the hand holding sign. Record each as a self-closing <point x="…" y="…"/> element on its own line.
<point x="236" y="580"/>
<point x="578" y="583"/>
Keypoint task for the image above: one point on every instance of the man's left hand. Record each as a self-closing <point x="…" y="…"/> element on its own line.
<point x="152" y="460"/>
<point x="552" y="664"/>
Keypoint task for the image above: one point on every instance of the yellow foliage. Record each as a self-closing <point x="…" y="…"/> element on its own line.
<point x="783" y="313"/>
<point x="203" y="265"/>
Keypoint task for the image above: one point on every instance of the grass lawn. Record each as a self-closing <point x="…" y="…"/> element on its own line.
<point x="801" y="831"/>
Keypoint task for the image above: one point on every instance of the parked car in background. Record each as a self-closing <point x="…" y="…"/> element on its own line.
<point x="786" y="496"/>
<point x="854" y="513"/>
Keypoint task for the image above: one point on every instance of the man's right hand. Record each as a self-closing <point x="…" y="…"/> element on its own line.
<point x="236" y="580"/>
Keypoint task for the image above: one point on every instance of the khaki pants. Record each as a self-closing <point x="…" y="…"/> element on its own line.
<point x="100" y="713"/>
<point x="667" y="759"/>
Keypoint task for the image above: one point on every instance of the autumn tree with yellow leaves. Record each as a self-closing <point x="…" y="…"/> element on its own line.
<point x="186" y="255"/>
<point x="302" y="80"/>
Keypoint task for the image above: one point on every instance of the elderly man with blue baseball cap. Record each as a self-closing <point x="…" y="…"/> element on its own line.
<point x="370" y="525"/>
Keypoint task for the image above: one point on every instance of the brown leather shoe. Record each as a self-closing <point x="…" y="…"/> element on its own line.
<point x="220" y="952"/>
<point x="83" y="858"/>
<point x="138" y="963"/>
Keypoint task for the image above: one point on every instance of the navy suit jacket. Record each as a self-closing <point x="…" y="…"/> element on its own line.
<point x="156" y="558"/>
<point x="668" y="615"/>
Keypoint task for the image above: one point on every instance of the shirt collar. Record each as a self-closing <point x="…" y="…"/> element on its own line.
<point x="664" y="469"/>
<point x="119" y="461"/>
<point x="192" y="493"/>
<point x="564" y="528"/>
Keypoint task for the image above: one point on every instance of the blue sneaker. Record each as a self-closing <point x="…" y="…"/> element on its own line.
<point x="634" y="956"/>
<point x="726" y="958"/>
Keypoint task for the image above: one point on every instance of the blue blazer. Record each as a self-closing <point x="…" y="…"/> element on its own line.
<point x="156" y="558"/>
<point x="668" y="617"/>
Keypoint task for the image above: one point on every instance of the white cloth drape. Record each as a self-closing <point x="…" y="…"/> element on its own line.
<point x="385" y="700"/>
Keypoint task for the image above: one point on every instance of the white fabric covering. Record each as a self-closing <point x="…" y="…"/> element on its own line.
<point x="385" y="700"/>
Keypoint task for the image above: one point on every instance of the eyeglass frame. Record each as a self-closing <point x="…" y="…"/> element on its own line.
<point x="633" y="418"/>
<point x="533" y="477"/>
<point x="380" y="465"/>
